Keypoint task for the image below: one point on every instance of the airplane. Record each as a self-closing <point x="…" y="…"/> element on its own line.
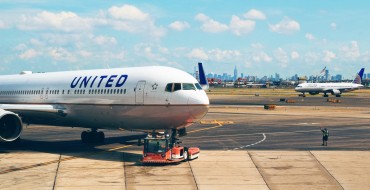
<point x="334" y="88"/>
<point x="137" y="98"/>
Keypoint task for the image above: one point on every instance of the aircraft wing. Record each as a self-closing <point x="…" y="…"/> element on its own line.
<point x="337" y="90"/>
<point x="21" y="108"/>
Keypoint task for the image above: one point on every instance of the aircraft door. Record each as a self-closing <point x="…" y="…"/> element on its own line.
<point x="139" y="92"/>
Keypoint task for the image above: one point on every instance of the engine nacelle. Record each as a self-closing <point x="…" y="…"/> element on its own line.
<point x="10" y="126"/>
<point x="313" y="93"/>
<point x="335" y="92"/>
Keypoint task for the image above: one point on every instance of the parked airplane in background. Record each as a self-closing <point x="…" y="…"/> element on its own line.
<point x="334" y="88"/>
<point x="137" y="98"/>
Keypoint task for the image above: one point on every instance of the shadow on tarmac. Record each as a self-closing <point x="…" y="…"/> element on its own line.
<point x="76" y="148"/>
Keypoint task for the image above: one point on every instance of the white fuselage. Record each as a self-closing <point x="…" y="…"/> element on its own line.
<point x="327" y="87"/>
<point x="128" y="98"/>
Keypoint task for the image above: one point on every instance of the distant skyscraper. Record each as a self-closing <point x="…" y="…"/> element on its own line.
<point x="327" y="75"/>
<point x="277" y="77"/>
<point x="235" y="73"/>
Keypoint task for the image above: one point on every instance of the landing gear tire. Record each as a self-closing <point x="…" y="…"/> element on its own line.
<point x="101" y="137"/>
<point x="325" y="95"/>
<point x="92" y="137"/>
<point x="84" y="136"/>
<point x="338" y="95"/>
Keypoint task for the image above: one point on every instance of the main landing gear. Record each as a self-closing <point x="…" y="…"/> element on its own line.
<point x="92" y="136"/>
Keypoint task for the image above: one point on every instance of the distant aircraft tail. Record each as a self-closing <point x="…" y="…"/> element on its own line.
<point x="202" y="77"/>
<point x="358" y="78"/>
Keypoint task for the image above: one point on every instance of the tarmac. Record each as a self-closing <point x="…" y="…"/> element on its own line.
<point x="242" y="146"/>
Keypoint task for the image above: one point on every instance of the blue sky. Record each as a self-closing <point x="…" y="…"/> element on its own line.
<point x="259" y="37"/>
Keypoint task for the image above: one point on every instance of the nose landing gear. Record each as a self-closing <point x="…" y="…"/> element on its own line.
<point x="92" y="136"/>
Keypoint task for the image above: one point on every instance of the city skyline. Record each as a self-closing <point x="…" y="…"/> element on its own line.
<point x="324" y="75"/>
<point x="272" y="36"/>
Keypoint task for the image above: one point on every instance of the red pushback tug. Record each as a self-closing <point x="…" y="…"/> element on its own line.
<point x="160" y="148"/>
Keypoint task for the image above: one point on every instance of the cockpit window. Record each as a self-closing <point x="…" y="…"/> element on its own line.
<point x="177" y="86"/>
<point x="198" y="86"/>
<point x="172" y="87"/>
<point x="188" y="86"/>
<point x="169" y="87"/>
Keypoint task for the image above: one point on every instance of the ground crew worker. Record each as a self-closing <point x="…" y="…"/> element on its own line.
<point x="325" y="136"/>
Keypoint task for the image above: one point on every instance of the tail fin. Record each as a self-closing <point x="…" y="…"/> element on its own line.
<point x="202" y="77"/>
<point x="358" y="78"/>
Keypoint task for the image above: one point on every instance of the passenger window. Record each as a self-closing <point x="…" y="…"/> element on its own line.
<point x="188" y="86"/>
<point x="177" y="86"/>
<point x="169" y="87"/>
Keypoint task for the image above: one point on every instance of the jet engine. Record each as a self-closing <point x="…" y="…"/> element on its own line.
<point x="10" y="126"/>
<point x="335" y="92"/>
<point x="313" y="93"/>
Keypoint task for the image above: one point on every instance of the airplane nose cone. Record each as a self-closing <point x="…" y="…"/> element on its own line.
<point x="198" y="105"/>
<point x="198" y="98"/>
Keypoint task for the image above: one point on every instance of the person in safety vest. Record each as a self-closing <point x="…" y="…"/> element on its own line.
<point x="325" y="136"/>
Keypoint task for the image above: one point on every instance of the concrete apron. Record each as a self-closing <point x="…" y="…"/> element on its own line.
<point x="213" y="170"/>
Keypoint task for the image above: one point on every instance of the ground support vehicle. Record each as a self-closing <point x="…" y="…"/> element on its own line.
<point x="163" y="148"/>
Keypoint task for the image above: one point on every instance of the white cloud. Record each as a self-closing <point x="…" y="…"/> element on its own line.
<point x="113" y="56"/>
<point x="128" y="12"/>
<point x="202" y="17"/>
<point x="285" y="26"/>
<point x="125" y="18"/>
<point x="240" y="27"/>
<point x="179" y="26"/>
<point x="131" y="19"/>
<point x="311" y="57"/>
<point x="216" y="55"/>
<point x="85" y="54"/>
<point x="309" y="36"/>
<point x="223" y="55"/>
<point x="281" y="56"/>
<point x="2" y="25"/>
<point x="152" y="52"/>
<point x="351" y="52"/>
<point x="333" y="25"/>
<point x="31" y="53"/>
<point x="255" y="14"/>
<point x="63" y="21"/>
<point x="261" y="57"/>
<point x="198" y="53"/>
<point x="294" y="55"/>
<point x="36" y="42"/>
<point x="105" y="40"/>
<point x="61" y="54"/>
<point x="20" y="47"/>
<point x="210" y="25"/>
<point x="328" y="56"/>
